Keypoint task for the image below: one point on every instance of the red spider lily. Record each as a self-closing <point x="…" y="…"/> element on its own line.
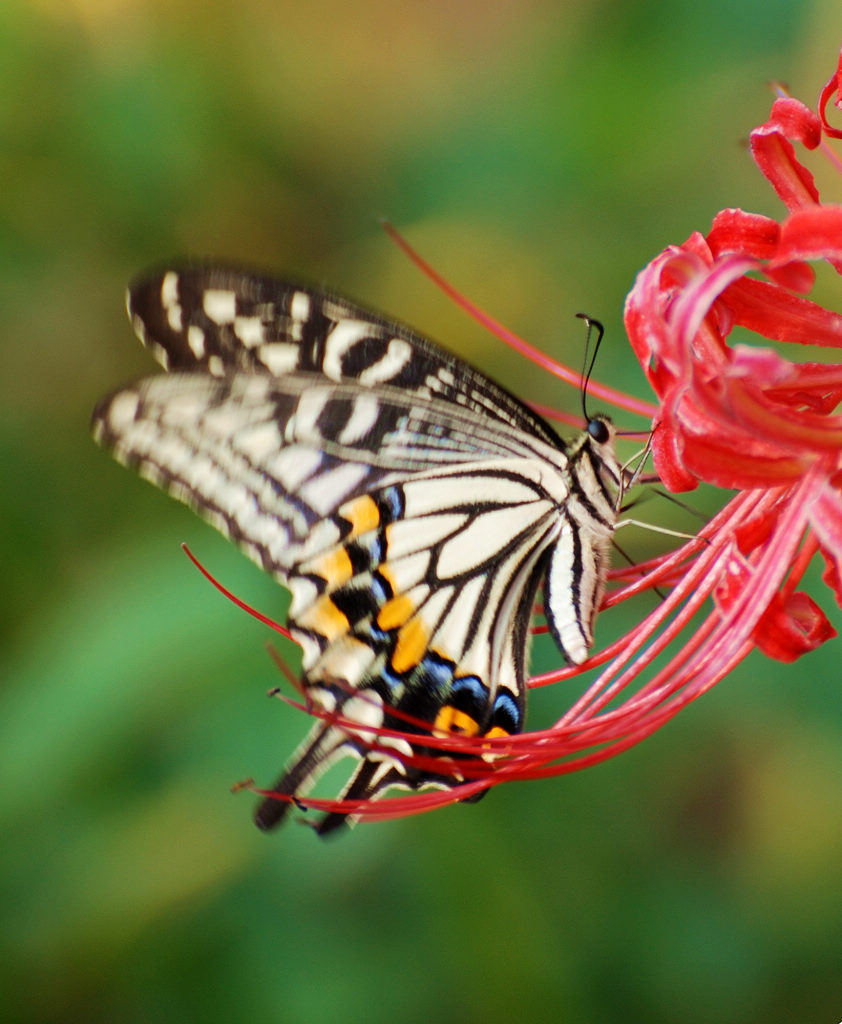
<point x="740" y="417"/>
<point x="749" y="418"/>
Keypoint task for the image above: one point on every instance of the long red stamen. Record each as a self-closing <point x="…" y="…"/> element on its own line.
<point x="534" y="355"/>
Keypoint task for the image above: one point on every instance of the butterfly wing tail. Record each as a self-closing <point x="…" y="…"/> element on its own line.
<point x="324" y="745"/>
<point x="370" y="780"/>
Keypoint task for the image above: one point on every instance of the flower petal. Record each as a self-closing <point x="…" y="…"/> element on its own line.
<point x="791" y="628"/>
<point x="832" y="86"/>
<point x="774" y="153"/>
<point x="813" y="233"/>
<point x="779" y="315"/>
<point x="788" y="627"/>
<point x="735" y="230"/>
<point x="826" y="521"/>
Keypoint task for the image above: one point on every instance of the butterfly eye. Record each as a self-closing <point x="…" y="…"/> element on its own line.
<point x="598" y="429"/>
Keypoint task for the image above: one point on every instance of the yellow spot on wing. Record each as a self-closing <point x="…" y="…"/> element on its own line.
<point x="452" y="720"/>
<point x="325" y="618"/>
<point x="362" y="513"/>
<point x="412" y="643"/>
<point x="386" y="571"/>
<point x="494" y="753"/>
<point x="395" y="612"/>
<point x="334" y="567"/>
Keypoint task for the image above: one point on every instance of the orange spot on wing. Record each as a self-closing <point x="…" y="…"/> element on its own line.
<point x="362" y="513"/>
<point x="453" y="721"/>
<point x="395" y="612"/>
<point x="325" y="618"/>
<point x="413" y="639"/>
<point x="334" y="567"/>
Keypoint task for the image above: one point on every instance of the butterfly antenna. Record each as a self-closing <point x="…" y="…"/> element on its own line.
<point x="590" y="357"/>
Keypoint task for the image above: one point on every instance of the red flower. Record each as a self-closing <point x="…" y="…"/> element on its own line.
<point x="737" y="416"/>
<point x="746" y="417"/>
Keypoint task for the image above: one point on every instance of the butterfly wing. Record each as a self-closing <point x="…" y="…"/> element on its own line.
<point x="221" y="320"/>
<point x="369" y="471"/>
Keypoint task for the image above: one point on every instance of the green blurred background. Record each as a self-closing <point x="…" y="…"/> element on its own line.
<point x="539" y="154"/>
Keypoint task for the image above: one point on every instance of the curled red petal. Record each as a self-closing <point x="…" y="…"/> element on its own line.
<point x="774" y="153"/>
<point x="735" y="230"/>
<point x="712" y="446"/>
<point x="814" y="233"/>
<point x="646" y="324"/>
<point x="803" y="387"/>
<point x="792" y="627"/>
<point x="737" y="461"/>
<point x="700" y="322"/>
<point x="831" y="576"/>
<point x="752" y="234"/>
<point x="832" y="87"/>
<point x="789" y="626"/>
<point x="668" y="458"/>
<point x="776" y="313"/>
<point x="795" y="276"/>
<point x="795" y="120"/>
<point x="826" y="521"/>
<point x="754" y="531"/>
<point x="737" y="436"/>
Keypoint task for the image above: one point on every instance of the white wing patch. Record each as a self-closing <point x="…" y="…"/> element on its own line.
<point x="249" y="329"/>
<point x="341" y="339"/>
<point x="279" y="357"/>
<point x="479" y="542"/>
<point x="361" y="421"/>
<point x="169" y="301"/>
<point x="258" y="442"/>
<point x="303" y="424"/>
<point x="220" y="305"/>
<point x="322" y="493"/>
<point x="407" y="536"/>
<point x="397" y="356"/>
<point x="299" y="308"/>
<point x="471" y="485"/>
<point x="293" y="465"/>
<point x="196" y="341"/>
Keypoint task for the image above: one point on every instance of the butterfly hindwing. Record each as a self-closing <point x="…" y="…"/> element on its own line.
<point x="411" y="506"/>
<point x="412" y="625"/>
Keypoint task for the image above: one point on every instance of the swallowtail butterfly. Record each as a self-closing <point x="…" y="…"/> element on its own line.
<point x="412" y="507"/>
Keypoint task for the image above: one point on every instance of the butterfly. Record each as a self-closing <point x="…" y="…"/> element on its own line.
<point x="412" y="507"/>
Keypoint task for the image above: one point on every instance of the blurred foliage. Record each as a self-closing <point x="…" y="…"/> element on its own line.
<point x="539" y="154"/>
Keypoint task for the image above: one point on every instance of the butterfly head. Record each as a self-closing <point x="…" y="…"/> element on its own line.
<point x="600" y="429"/>
<point x="598" y="437"/>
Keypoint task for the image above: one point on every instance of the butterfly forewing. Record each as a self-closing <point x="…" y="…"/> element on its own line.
<point x="221" y="320"/>
<point x="411" y="505"/>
